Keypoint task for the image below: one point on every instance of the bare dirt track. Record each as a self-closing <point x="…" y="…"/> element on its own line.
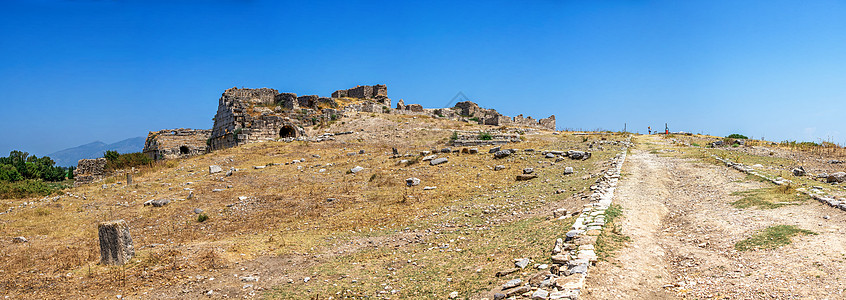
<point x="683" y="230"/>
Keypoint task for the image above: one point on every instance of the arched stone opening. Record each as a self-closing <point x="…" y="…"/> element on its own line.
<point x="184" y="150"/>
<point x="287" y="131"/>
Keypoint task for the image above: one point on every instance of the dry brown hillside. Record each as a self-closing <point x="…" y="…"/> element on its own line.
<point x="293" y="222"/>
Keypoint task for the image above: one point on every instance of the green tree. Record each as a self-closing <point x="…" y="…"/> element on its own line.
<point x="9" y="173"/>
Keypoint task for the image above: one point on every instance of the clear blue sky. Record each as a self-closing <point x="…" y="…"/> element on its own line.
<point x="77" y="71"/>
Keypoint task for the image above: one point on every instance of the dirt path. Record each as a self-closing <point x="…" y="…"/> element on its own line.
<point x="683" y="230"/>
<point x="638" y="270"/>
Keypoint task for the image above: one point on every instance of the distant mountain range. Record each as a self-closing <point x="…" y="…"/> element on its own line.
<point x="70" y="157"/>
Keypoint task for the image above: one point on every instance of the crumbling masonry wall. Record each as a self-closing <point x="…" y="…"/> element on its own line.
<point x="89" y="170"/>
<point x="175" y="143"/>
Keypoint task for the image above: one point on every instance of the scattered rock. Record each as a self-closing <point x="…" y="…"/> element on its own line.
<point x="512" y="283"/>
<point x="519" y="290"/>
<point x="412" y="181"/>
<point x="502" y="153"/>
<point x="215" y="169"/>
<point x="248" y="279"/>
<point x="540" y="294"/>
<point x="430" y="157"/>
<point x="836" y="177"/>
<point x="522" y="263"/>
<point x="19" y="239"/>
<point x="446" y="150"/>
<point x="573" y="154"/>
<point x="360" y="151"/>
<point x="499" y="167"/>
<point x="528" y="171"/>
<point x="494" y="150"/>
<point x="800" y="171"/>
<point x="568" y="170"/>
<point x="157" y="202"/>
<point x="356" y="169"/>
<point x="190" y="195"/>
<point x="438" y="161"/>
<point x="506" y="272"/>
<point x="474" y="150"/>
<point x="259" y="167"/>
<point x="453" y="295"/>
<point x="560" y="259"/>
<point x="523" y="177"/>
<point x="428" y="188"/>
<point x="198" y="211"/>
<point x="499" y="296"/>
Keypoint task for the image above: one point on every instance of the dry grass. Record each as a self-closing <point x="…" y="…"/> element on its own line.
<point x="286" y="211"/>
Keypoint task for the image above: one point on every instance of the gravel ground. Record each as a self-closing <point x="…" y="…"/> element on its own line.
<point x="683" y="230"/>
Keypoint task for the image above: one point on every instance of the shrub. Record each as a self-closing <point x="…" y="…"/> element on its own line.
<point x="737" y="136"/>
<point x="24" y="189"/>
<point x="115" y="161"/>
<point x="9" y="173"/>
<point x="485" y="136"/>
<point x="202" y="218"/>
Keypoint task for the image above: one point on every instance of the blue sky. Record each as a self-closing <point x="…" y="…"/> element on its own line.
<point x="77" y="71"/>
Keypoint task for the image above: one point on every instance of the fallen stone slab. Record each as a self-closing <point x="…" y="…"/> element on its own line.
<point x="506" y="272"/>
<point x="215" y="169"/>
<point x="524" y="177"/>
<point x="438" y="161"/>
<point x="502" y="153"/>
<point x="512" y="283"/>
<point x="157" y="202"/>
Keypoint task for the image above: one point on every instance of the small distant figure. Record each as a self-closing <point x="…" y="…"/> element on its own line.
<point x="650" y="129"/>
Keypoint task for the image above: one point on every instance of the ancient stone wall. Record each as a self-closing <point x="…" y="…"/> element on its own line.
<point x="377" y="93"/>
<point x="239" y="120"/>
<point x="89" y="170"/>
<point x="175" y="143"/>
<point x="471" y="112"/>
<point x="287" y="100"/>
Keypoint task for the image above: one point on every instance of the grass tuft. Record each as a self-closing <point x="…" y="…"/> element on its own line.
<point x="612" y="238"/>
<point x="769" y="198"/>
<point x="771" y="238"/>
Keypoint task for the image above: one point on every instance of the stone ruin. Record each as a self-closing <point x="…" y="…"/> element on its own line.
<point x="471" y="112"/>
<point x="176" y="143"/>
<point x="115" y="243"/>
<point x="256" y="115"/>
<point x="89" y="170"/>
<point x="475" y="138"/>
